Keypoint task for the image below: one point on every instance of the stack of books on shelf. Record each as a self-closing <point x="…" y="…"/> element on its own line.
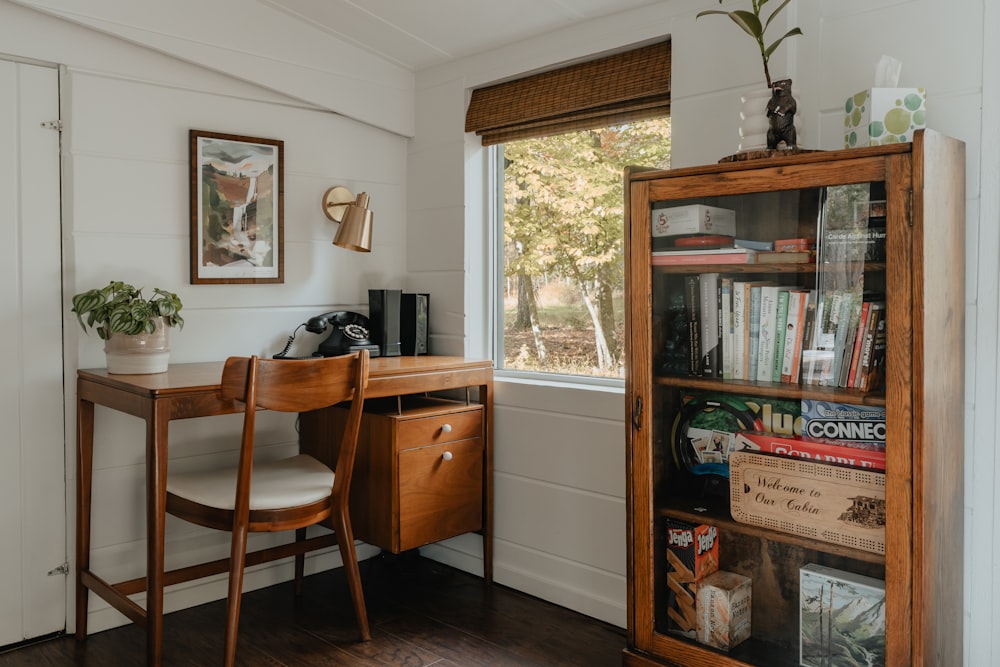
<point x="732" y="254"/>
<point x="758" y="330"/>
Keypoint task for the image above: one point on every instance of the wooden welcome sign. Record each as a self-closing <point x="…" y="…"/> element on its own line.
<point x="824" y="502"/>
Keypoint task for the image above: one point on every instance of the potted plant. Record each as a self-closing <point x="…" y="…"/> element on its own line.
<point x="133" y="327"/>
<point x="768" y="115"/>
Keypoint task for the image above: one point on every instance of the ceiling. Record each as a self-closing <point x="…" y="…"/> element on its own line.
<point x="417" y="34"/>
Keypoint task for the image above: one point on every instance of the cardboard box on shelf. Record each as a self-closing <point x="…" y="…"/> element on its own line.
<point x="724" y="602"/>
<point x="693" y="219"/>
<point x="692" y="555"/>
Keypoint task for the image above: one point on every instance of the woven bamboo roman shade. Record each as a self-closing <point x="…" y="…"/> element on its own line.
<point x="634" y="85"/>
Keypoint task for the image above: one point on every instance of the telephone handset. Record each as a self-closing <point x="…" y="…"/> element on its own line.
<point x="348" y="332"/>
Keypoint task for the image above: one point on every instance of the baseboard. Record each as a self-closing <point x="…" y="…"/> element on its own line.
<point x="577" y="586"/>
<point x="102" y="616"/>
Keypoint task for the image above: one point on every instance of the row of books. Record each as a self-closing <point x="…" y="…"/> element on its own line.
<point x="761" y="331"/>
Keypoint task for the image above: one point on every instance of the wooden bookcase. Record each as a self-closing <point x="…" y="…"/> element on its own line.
<point x="922" y="279"/>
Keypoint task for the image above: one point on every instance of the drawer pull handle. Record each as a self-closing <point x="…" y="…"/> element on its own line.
<point x="446" y="428"/>
<point x="447" y="456"/>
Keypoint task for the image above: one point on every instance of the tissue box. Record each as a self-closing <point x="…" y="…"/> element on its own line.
<point x="883" y="116"/>
<point x="693" y="219"/>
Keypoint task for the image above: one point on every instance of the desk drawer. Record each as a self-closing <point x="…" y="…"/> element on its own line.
<point x="440" y="428"/>
<point x="440" y="492"/>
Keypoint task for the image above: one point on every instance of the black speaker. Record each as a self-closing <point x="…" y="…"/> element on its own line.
<point x="383" y="314"/>
<point x="413" y="316"/>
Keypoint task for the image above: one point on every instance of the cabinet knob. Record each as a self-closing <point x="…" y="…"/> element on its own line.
<point x="446" y="428"/>
<point x="447" y="456"/>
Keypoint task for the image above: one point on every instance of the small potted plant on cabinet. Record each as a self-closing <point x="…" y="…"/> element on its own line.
<point x="134" y="328"/>
<point x="768" y="113"/>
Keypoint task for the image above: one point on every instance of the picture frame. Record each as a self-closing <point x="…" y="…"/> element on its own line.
<point x="237" y="209"/>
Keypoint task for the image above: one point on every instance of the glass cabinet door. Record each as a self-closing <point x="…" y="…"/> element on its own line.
<point x="767" y="369"/>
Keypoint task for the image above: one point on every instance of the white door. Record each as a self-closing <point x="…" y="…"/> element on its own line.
<point x="32" y="452"/>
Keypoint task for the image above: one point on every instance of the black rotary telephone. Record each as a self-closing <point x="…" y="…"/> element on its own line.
<point x="348" y="333"/>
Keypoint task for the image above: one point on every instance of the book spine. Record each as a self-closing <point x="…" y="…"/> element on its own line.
<point x="779" y="336"/>
<point x="710" y="340"/>
<point x="766" y="334"/>
<point x="728" y="338"/>
<point x="873" y="371"/>
<point x="688" y="259"/>
<point x="792" y="351"/>
<point x="754" y="332"/>
<point x="692" y="306"/>
<point x="739" y="329"/>
<point x="859" y="339"/>
<point x="808" y="342"/>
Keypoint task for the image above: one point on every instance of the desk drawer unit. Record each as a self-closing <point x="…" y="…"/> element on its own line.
<point x="418" y="476"/>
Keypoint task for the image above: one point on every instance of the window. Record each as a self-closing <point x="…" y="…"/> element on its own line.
<point x="559" y="142"/>
<point x="563" y="246"/>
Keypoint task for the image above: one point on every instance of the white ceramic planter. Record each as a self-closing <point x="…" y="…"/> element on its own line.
<point x="754" y="123"/>
<point x="140" y="354"/>
<point x="753" y="118"/>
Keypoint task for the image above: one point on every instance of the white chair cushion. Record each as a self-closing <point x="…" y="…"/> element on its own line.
<point x="291" y="482"/>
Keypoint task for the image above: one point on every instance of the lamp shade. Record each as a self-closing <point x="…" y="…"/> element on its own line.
<point x="355" y="231"/>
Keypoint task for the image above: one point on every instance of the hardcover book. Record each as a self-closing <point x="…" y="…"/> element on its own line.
<point x="841" y="618"/>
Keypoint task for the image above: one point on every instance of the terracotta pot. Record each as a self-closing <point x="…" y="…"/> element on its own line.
<point x="139" y="354"/>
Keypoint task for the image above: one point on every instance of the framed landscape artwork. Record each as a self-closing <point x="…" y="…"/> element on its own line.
<point x="237" y="209"/>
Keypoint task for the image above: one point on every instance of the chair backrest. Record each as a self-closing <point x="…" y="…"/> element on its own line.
<point x="299" y="385"/>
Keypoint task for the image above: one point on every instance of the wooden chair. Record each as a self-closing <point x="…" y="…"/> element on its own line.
<point x="289" y="494"/>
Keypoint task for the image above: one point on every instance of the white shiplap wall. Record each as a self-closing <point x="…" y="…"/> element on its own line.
<point x="127" y="111"/>
<point x="943" y="47"/>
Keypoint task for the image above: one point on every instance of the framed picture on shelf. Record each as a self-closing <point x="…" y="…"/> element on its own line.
<point x="237" y="209"/>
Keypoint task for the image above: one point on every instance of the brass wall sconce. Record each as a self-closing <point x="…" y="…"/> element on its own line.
<point x="354" y="216"/>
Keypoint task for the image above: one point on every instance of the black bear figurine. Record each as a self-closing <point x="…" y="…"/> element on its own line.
<point x="781" y="115"/>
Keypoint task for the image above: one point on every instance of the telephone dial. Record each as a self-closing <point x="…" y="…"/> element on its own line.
<point x="348" y="332"/>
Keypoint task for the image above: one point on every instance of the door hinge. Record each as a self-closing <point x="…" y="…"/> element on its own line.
<point x="59" y="570"/>
<point x="909" y="207"/>
<point x="53" y="125"/>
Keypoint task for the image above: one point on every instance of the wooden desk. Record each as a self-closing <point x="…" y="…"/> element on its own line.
<point x="192" y="390"/>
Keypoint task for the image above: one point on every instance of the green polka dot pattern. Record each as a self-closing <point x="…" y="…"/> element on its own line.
<point x="883" y="116"/>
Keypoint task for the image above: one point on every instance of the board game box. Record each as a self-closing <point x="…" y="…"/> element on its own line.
<point x="841" y="618"/>
<point x="855" y="454"/>
<point x="692" y="555"/>
<point x="841" y="421"/>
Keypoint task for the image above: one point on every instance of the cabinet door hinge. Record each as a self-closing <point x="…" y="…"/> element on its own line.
<point x="909" y="207"/>
<point x="53" y="125"/>
<point x="62" y="570"/>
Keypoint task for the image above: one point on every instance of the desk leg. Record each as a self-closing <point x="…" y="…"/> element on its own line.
<point x="486" y="397"/>
<point x="84" y="472"/>
<point x="157" y="426"/>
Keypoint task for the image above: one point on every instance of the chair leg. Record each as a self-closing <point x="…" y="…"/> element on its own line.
<point x="345" y="539"/>
<point x="237" y="560"/>
<point x="300" y="562"/>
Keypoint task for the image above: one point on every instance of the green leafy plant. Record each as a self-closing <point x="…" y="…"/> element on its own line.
<point x="121" y="308"/>
<point x="751" y="24"/>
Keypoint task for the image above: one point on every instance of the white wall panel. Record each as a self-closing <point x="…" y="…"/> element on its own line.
<point x="127" y="112"/>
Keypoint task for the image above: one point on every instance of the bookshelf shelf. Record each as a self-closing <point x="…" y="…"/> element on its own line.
<point x="888" y="226"/>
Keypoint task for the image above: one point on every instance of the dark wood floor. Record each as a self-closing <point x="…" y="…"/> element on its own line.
<point x="422" y="613"/>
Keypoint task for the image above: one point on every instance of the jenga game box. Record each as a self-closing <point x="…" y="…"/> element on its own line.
<point x="692" y="555"/>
